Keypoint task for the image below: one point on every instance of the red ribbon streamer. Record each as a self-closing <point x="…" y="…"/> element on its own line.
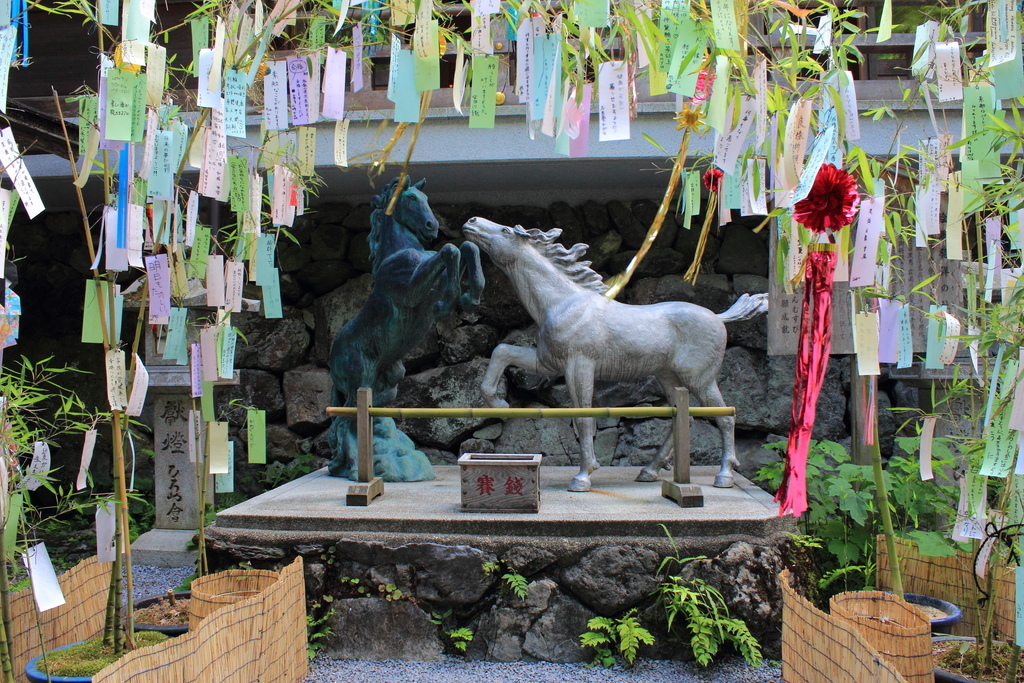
<point x="811" y="364"/>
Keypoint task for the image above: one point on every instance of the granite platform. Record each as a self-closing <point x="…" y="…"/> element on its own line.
<point x="313" y="508"/>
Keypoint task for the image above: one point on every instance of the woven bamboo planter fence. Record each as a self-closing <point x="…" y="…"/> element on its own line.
<point x="952" y="579"/>
<point x="821" y="648"/>
<point x="210" y="593"/>
<point x="85" y="588"/>
<point x="260" y="638"/>
<point x="899" y="631"/>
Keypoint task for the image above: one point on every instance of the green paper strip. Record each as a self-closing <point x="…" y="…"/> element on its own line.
<point x="13" y="520"/>
<point x="592" y="13"/>
<point x="482" y="95"/>
<point x="885" y="23"/>
<point x="206" y="402"/>
<point x="92" y="331"/>
<point x="200" y="39"/>
<point x="934" y="344"/>
<point x="256" y="426"/>
<point x="427" y="59"/>
<point x="225" y="483"/>
<point x="200" y="252"/>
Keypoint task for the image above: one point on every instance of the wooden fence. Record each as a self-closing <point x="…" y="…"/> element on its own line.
<point x="80" y="618"/>
<point x="262" y="638"/>
<point x="820" y="648"/>
<point x="951" y="579"/>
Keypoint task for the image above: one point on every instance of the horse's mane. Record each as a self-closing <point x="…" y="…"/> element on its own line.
<point x="566" y="260"/>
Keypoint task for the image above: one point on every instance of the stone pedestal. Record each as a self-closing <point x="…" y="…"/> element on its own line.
<point x="174" y="467"/>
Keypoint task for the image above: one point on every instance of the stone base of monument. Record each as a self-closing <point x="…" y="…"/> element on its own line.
<point x="581" y="555"/>
<point x="165" y="548"/>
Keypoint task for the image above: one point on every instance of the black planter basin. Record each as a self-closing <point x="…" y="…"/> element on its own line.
<point x="941" y="625"/>
<point x="943" y="676"/>
<point x="174" y="630"/>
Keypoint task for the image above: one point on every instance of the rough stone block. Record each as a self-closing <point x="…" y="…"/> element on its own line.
<point x="369" y="628"/>
<point x="307" y="394"/>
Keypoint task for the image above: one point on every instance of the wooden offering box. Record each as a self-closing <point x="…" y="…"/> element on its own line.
<point x="500" y="482"/>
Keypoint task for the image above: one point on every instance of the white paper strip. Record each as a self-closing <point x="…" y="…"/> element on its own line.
<point x="88" y="446"/>
<point x="45" y="586"/>
<point x="613" y="102"/>
<point x="105" y="530"/>
<point x="927" y="434"/>
<point x="39" y="467"/>
<point x="140" y="386"/>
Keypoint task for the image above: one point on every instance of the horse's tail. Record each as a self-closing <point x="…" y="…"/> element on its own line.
<point x="746" y="307"/>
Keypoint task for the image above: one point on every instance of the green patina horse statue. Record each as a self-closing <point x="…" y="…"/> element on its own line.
<point x="413" y="288"/>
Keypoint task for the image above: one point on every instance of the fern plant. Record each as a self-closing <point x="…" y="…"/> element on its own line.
<point x="707" y="619"/>
<point x="460" y="638"/>
<point x="318" y="628"/>
<point x="516" y="583"/>
<point x="608" y="635"/>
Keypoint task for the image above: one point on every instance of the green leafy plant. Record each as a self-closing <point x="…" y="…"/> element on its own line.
<point x="353" y="585"/>
<point x="516" y="583"/>
<point x="317" y="627"/>
<point x="707" y="619"/>
<point x="843" y="510"/>
<point x="390" y="592"/>
<point x="610" y="636"/>
<point x="460" y="638"/>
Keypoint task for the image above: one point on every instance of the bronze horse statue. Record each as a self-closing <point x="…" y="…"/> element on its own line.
<point x="413" y="288"/>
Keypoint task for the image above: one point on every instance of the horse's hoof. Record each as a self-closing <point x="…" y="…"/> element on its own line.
<point x="580" y="484"/>
<point x="646" y="476"/>
<point x="469" y="303"/>
<point x="497" y="403"/>
<point x="723" y="481"/>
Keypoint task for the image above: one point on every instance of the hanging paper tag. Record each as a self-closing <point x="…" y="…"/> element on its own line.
<point x="927" y="434"/>
<point x="39" y="467"/>
<point x="116" y="384"/>
<point x="105" y="531"/>
<point x="88" y="446"/>
<point x="45" y="586"/>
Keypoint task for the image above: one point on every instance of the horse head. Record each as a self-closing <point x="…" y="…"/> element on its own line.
<point x="503" y="243"/>
<point x="412" y="211"/>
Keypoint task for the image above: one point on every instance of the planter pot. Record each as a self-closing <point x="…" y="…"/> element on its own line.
<point x="942" y="624"/>
<point x="169" y="630"/>
<point x="36" y="675"/>
<point x="210" y="593"/>
<point x="943" y="676"/>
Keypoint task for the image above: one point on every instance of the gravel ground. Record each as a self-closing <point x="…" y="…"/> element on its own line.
<point x="151" y="581"/>
<point x="454" y="670"/>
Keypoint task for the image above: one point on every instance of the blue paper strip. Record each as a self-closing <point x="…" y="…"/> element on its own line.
<point x="122" y="199"/>
<point x="993" y="384"/>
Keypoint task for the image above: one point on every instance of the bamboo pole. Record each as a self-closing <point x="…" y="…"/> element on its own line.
<point x="7" y="637"/>
<point x="640" y="411"/>
<point x="882" y="498"/>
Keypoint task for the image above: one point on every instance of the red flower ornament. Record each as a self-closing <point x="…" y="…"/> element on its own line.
<point x="713" y="179"/>
<point x="832" y="202"/>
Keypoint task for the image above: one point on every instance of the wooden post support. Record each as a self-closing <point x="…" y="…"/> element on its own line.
<point x="368" y="486"/>
<point x="680" y="489"/>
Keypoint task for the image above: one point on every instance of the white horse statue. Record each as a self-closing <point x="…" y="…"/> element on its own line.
<point x="585" y="336"/>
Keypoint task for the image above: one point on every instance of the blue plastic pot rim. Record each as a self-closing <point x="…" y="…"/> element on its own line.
<point x="33" y="672"/>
